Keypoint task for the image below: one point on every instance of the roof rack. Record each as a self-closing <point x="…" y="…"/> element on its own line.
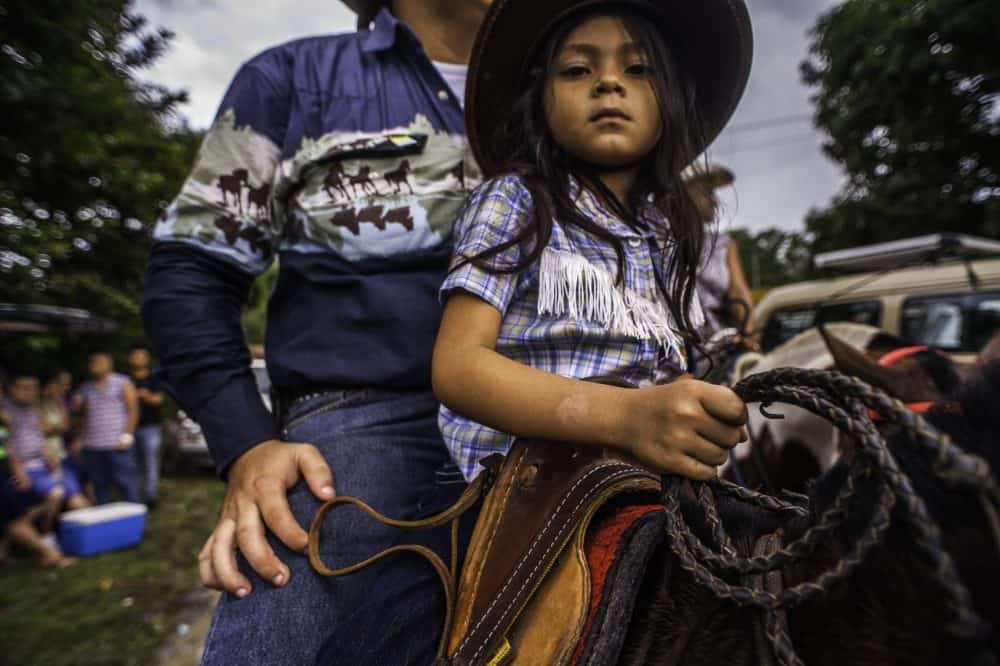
<point x="26" y="319"/>
<point x="910" y="251"/>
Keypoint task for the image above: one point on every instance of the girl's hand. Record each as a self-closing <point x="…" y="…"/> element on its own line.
<point x="686" y="427"/>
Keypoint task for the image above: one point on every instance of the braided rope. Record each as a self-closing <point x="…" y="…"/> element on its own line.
<point x="844" y="401"/>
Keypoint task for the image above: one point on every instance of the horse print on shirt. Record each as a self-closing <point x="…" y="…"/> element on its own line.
<point x="356" y="194"/>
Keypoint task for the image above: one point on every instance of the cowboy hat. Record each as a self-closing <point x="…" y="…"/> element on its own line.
<point x="366" y="10"/>
<point x="714" y="176"/>
<point x="712" y="39"/>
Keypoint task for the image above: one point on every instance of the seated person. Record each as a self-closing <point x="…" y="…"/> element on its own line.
<point x="32" y="467"/>
<point x="18" y="511"/>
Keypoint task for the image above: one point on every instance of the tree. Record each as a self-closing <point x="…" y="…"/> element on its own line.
<point x="909" y="93"/>
<point x="773" y="257"/>
<point x="87" y="154"/>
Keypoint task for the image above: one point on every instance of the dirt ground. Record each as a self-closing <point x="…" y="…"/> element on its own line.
<point x="185" y="646"/>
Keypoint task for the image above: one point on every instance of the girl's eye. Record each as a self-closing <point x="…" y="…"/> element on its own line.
<point x="575" y="71"/>
<point x="638" y="69"/>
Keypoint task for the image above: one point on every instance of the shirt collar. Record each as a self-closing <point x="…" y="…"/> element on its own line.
<point x="591" y="206"/>
<point x="384" y="32"/>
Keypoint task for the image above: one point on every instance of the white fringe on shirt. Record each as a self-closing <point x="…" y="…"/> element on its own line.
<point x="572" y="287"/>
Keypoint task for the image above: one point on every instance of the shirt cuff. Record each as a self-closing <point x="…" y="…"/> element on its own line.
<point x="234" y="421"/>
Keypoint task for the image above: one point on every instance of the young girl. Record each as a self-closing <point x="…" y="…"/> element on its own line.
<point x="578" y="258"/>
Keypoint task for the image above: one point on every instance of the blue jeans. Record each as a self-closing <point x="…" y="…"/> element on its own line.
<point x="112" y="468"/>
<point x="147" y="451"/>
<point x="384" y="447"/>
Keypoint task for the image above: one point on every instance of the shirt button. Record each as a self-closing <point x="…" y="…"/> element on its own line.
<point x="634" y="242"/>
<point x="443" y="95"/>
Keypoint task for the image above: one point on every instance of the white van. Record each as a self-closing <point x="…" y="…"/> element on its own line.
<point x="951" y="300"/>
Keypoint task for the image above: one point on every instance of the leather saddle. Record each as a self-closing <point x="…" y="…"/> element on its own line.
<point x="554" y="562"/>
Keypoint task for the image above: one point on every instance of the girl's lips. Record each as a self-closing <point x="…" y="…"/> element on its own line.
<point x="609" y="114"/>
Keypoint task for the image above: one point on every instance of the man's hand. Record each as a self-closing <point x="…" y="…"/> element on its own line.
<point x="126" y="441"/>
<point x="255" y="498"/>
<point x="21" y="479"/>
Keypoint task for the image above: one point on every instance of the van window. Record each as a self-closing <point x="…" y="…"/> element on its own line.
<point x="985" y="321"/>
<point x="959" y="322"/>
<point x="783" y="325"/>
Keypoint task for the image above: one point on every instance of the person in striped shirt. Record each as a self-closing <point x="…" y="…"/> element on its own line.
<point x="110" y="413"/>
<point x="33" y="468"/>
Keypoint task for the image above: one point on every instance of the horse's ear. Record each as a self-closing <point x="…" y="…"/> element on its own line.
<point x="991" y="352"/>
<point x="856" y="363"/>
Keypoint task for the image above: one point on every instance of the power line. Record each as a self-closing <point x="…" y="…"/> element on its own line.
<point x="779" y="142"/>
<point x="771" y="122"/>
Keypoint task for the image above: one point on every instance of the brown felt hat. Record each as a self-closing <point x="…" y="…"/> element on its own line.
<point x="714" y="176"/>
<point x="712" y="39"/>
<point x="366" y="10"/>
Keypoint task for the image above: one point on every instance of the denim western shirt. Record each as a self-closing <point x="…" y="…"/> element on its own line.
<point x="344" y="156"/>
<point x="567" y="313"/>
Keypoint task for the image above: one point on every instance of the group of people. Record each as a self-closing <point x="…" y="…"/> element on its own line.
<point x="62" y="448"/>
<point x="534" y="181"/>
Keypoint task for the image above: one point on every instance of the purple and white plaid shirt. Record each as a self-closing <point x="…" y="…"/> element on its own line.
<point x="564" y="314"/>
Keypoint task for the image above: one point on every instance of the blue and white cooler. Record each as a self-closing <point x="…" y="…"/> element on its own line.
<point x="98" y="529"/>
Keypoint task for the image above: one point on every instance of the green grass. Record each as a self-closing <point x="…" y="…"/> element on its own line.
<point x="117" y="608"/>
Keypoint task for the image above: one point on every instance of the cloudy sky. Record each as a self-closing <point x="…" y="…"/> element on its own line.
<point x="770" y="143"/>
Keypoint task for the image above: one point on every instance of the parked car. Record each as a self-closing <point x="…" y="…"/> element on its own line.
<point x="948" y="297"/>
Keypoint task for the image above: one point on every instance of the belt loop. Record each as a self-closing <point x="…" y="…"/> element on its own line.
<point x="278" y="408"/>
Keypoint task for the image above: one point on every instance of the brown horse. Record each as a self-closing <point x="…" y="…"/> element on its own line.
<point x="233" y="184"/>
<point x="363" y="179"/>
<point x="335" y="181"/>
<point x="896" y="607"/>
<point x="787" y="452"/>
<point x="399" y="177"/>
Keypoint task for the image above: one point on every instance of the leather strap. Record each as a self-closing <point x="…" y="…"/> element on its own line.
<point x="447" y="574"/>
<point x="771" y="581"/>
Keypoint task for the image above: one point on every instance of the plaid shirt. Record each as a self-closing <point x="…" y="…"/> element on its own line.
<point x="563" y="314"/>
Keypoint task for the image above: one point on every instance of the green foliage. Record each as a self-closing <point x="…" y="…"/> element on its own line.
<point x="773" y="257"/>
<point x="87" y="157"/>
<point x="909" y="93"/>
<point x="255" y="315"/>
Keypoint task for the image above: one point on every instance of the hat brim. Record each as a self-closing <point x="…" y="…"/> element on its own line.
<point x="366" y="10"/>
<point x="715" y="176"/>
<point x="711" y="39"/>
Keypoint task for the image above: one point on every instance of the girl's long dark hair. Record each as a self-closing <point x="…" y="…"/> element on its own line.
<point x="544" y="168"/>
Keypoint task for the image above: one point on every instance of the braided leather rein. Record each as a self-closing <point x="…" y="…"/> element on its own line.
<point x="847" y="403"/>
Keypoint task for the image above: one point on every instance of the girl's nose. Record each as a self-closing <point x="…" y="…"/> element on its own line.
<point x="609" y="83"/>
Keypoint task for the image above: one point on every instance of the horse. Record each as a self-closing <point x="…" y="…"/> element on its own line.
<point x="233" y="184"/>
<point x="788" y="449"/>
<point x="334" y="180"/>
<point x="363" y="180"/>
<point x="926" y="592"/>
<point x="399" y="177"/>
<point x="258" y="197"/>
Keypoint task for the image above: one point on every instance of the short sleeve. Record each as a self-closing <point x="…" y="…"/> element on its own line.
<point x="224" y="207"/>
<point x="496" y="213"/>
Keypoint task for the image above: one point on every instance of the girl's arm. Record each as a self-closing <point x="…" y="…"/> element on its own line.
<point x="738" y="289"/>
<point x="685" y="427"/>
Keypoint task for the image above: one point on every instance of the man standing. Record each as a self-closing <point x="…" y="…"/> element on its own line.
<point x="110" y="413"/>
<point x="147" y="434"/>
<point x="722" y="286"/>
<point x="346" y="155"/>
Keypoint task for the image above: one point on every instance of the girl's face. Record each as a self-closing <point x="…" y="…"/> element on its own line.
<point x="599" y="102"/>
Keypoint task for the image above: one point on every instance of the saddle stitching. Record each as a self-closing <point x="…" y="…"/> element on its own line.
<point x="496" y="525"/>
<point x="538" y="539"/>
